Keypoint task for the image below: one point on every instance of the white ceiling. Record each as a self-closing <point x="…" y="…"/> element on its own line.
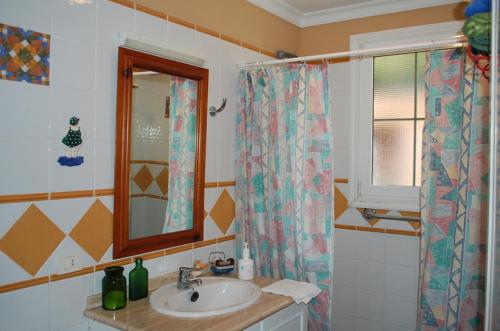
<point x="305" y="13"/>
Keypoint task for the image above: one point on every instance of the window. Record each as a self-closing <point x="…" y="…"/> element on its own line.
<point x="388" y="101"/>
<point x="398" y="119"/>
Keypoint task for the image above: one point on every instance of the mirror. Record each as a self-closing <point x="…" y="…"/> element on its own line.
<point x="160" y="153"/>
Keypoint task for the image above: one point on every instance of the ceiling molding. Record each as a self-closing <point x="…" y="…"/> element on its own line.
<point x="344" y="13"/>
<point x="281" y="9"/>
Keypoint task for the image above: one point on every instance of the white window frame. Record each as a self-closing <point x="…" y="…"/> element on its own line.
<point x="362" y="193"/>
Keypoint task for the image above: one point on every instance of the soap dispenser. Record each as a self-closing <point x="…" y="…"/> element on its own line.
<point x="245" y="265"/>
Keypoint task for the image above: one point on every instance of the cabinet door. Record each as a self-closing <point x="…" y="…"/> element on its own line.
<point x="292" y="318"/>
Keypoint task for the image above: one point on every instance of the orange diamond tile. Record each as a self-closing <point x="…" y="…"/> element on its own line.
<point x="94" y="231"/>
<point x="413" y="224"/>
<point x="223" y="211"/>
<point x="162" y="180"/>
<point x="340" y="203"/>
<point x="143" y="178"/>
<point x="31" y="240"/>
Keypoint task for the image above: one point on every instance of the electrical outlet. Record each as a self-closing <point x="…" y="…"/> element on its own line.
<point x="70" y="262"/>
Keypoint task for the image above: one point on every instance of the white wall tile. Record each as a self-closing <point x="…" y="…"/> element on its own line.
<point x="211" y="163"/>
<point x="73" y="21"/>
<point x="27" y="169"/>
<point x="71" y="64"/>
<point x="368" y="305"/>
<point x="14" y="12"/>
<point x="343" y="300"/>
<point x="344" y="271"/>
<point x="96" y="326"/>
<point x="106" y="76"/>
<point x="17" y="306"/>
<point x="11" y="271"/>
<point x="370" y="276"/>
<point x="175" y="261"/>
<point x="400" y="311"/>
<point x="366" y="325"/>
<point x="105" y="115"/>
<point x="26" y="112"/>
<point x="342" y="322"/>
<point x="111" y="20"/>
<point x="11" y="212"/>
<point x="228" y="247"/>
<point x="341" y="162"/>
<point x="68" y="301"/>
<point x="226" y="164"/>
<point x="211" y="230"/>
<point x="63" y="178"/>
<point x="202" y="253"/>
<point x="403" y="250"/>
<point x="104" y="169"/>
<point x="65" y="213"/>
<point x="67" y="247"/>
<point x="66" y="103"/>
<point x="401" y="280"/>
<point x="396" y="328"/>
<point x="151" y="27"/>
<point x="155" y="267"/>
<point x="345" y="243"/>
<point x="370" y="246"/>
<point x="181" y="39"/>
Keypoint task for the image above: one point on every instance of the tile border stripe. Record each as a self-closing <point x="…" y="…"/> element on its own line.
<point x="23" y="284"/>
<point x="379" y="230"/>
<point x="23" y="197"/>
<point x="146" y="195"/>
<point x="14" y="198"/>
<point x="149" y="162"/>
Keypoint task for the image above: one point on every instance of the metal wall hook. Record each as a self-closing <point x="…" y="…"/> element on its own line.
<point x="212" y="111"/>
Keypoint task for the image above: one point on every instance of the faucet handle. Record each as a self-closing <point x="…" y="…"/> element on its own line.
<point x="184" y="274"/>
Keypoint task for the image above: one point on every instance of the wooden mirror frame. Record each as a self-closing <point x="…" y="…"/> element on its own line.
<point x="122" y="244"/>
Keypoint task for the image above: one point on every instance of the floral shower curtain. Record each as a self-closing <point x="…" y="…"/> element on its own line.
<point x="182" y="142"/>
<point x="454" y="194"/>
<point x="284" y="177"/>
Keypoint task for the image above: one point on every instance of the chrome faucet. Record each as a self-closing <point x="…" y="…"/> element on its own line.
<point x="184" y="282"/>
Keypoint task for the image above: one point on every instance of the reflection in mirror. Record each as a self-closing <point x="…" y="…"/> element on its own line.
<point x="160" y="153"/>
<point x="163" y="135"/>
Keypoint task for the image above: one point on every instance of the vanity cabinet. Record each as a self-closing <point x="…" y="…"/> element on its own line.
<point x="292" y="318"/>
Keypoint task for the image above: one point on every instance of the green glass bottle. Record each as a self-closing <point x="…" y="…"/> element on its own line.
<point x="114" y="289"/>
<point x="138" y="281"/>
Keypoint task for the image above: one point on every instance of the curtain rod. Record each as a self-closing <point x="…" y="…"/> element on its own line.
<point x="454" y="42"/>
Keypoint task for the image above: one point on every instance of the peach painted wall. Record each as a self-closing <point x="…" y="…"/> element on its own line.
<point x="236" y="18"/>
<point x="334" y="37"/>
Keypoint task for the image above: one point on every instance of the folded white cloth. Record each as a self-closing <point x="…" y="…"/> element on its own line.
<point x="301" y="292"/>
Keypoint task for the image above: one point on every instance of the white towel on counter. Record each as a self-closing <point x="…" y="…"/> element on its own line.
<point x="301" y="292"/>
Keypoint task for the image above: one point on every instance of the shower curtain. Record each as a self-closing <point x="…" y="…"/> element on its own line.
<point x="181" y="158"/>
<point x="454" y="194"/>
<point x="284" y="177"/>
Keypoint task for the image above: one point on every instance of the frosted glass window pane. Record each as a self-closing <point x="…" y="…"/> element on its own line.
<point x="420" y="85"/>
<point x="393" y="152"/>
<point x="418" y="153"/>
<point x="394" y="86"/>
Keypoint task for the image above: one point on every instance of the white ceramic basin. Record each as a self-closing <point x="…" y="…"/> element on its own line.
<point x="217" y="296"/>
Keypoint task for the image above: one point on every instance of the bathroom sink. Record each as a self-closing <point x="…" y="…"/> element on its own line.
<point x="217" y="296"/>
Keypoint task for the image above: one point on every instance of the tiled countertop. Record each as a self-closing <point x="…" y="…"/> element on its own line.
<point x="138" y="315"/>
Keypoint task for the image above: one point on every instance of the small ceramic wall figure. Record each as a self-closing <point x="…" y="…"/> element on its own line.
<point x="73" y="141"/>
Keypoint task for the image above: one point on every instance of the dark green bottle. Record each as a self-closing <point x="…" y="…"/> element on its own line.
<point x="114" y="289"/>
<point x="138" y="281"/>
